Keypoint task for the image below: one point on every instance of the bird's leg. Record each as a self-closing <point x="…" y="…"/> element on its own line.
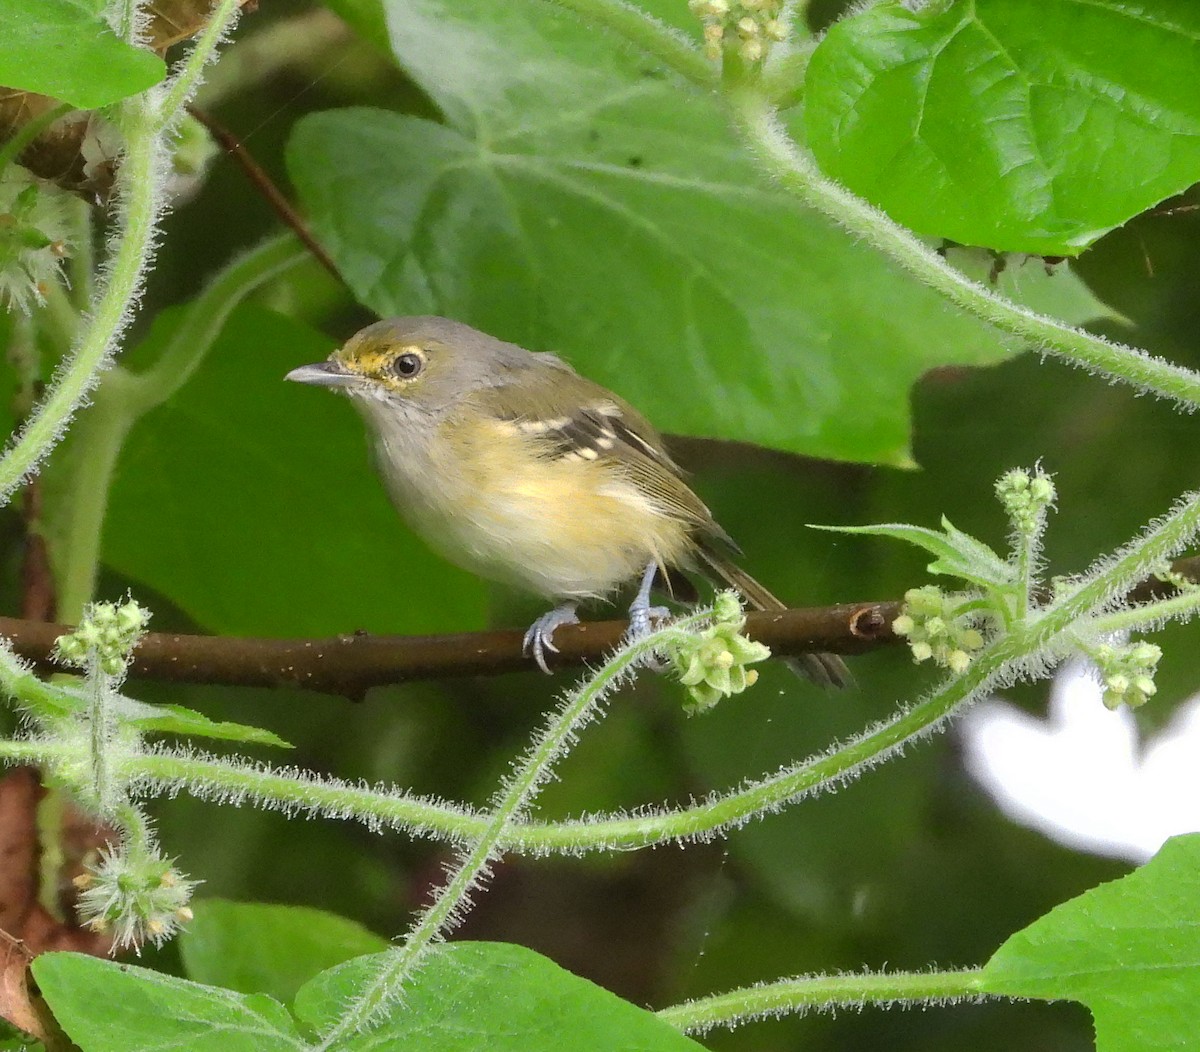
<point x="540" y="636"/>
<point x="641" y="613"/>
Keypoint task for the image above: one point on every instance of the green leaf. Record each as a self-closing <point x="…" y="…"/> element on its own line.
<point x="475" y="995"/>
<point x="63" y="49"/>
<point x="250" y="503"/>
<point x="1129" y="950"/>
<point x="1025" y="125"/>
<point x="958" y="554"/>
<point x="1048" y="289"/>
<point x="579" y="200"/>
<point x="176" y="719"/>
<point x="108" y="1007"/>
<point x="253" y="947"/>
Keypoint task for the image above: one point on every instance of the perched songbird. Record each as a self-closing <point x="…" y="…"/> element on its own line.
<point x="517" y="468"/>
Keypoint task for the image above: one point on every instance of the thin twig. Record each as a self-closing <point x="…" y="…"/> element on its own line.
<point x="265" y="185"/>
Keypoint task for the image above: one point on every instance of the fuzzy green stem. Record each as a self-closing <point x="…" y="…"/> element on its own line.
<point x="1025" y="583"/>
<point x="797" y="996"/>
<point x="1146" y="616"/>
<point x="670" y="47"/>
<point x="12" y="149"/>
<point x="99" y="685"/>
<point x="795" y="170"/>
<point x="783" y="80"/>
<point x="136" y="829"/>
<point x="215" y="779"/>
<point x="187" y="80"/>
<point x="139" y="188"/>
<point x="557" y="737"/>
<point x="219" y="780"/>
<point x="1118" y="575"/>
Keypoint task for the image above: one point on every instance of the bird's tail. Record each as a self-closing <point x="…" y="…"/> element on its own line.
<point x="826" y="670"/>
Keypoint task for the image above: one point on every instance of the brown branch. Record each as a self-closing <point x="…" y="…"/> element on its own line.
<point x="350" y="665"/>
<point x="265" y="185"/>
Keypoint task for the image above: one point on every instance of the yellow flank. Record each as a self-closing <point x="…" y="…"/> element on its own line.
<point x="564" y="526"/>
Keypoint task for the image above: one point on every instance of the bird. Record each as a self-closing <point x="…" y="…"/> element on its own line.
<point x="514" y="466"/>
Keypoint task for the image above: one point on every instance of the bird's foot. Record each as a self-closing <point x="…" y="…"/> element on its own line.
<point x="540" y="636"/>
<point x="641" y="619"/>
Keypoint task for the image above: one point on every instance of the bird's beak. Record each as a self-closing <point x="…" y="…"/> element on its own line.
<point x="323" y="374"/>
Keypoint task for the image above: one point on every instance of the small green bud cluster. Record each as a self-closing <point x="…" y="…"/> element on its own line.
<point x="712" y="662"/>
<point x="35" y="229"/>
<point x="753" y="24"/>
<point x="139" y="897"/>
<point x="108" y="633"/>
<point x="936" y="630"/>
<point x="1127" y="672"/>
<point x="1025" y="498"/>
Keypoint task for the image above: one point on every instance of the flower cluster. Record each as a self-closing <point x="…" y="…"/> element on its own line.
<point x="712" y="662"/>
<point x="753" y="24"/>
<point x="139" y="897"/>
<point x="108" y="633"/>
<point x="1127" y="672"/>
<point x="937" y="628"/>
<point x="35" y="229"/>
<point x="1026" y="498"/>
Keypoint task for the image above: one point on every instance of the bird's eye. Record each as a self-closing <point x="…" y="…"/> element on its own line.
<point x="407" y="365"/>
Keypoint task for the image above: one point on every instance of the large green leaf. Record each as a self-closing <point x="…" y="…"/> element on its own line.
<point x="1026" y="125"/>
<point x="108" y="1007"/>
<point x="578" y="199"/>
<point x="250" y="503"/>
<point x="64" y="49"/>
<point x="254" y="947"/>
<point x="480" y="995"/>
<point x="1129" y="950"/>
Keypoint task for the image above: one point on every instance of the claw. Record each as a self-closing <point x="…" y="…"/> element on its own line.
<point x="641" y="613"/>
<point x="641" y="618"/>
<point x="539" y="638"/>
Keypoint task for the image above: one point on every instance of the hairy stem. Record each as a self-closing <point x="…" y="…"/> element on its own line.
<point x="796" y="170"/>
<point x="144" y="121"/>
<point x="797" y="996"/>
<point x="139" y="192"/>
<point x="516" y="795"/>
<point x="1148" y="615"/>
<point x="183" y="85"/>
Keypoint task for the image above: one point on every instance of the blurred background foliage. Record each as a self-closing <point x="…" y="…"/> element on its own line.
<point x="248" y="506"/>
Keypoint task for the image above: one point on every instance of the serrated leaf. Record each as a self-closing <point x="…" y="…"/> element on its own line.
<point x="579" y="200"/>
<point x="66" y="50"/>
<point x="1129" y="950"/>
<point x="108" y="1007"/>
<point x="474" y="995"/>
<point x="1024" y="125"/>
